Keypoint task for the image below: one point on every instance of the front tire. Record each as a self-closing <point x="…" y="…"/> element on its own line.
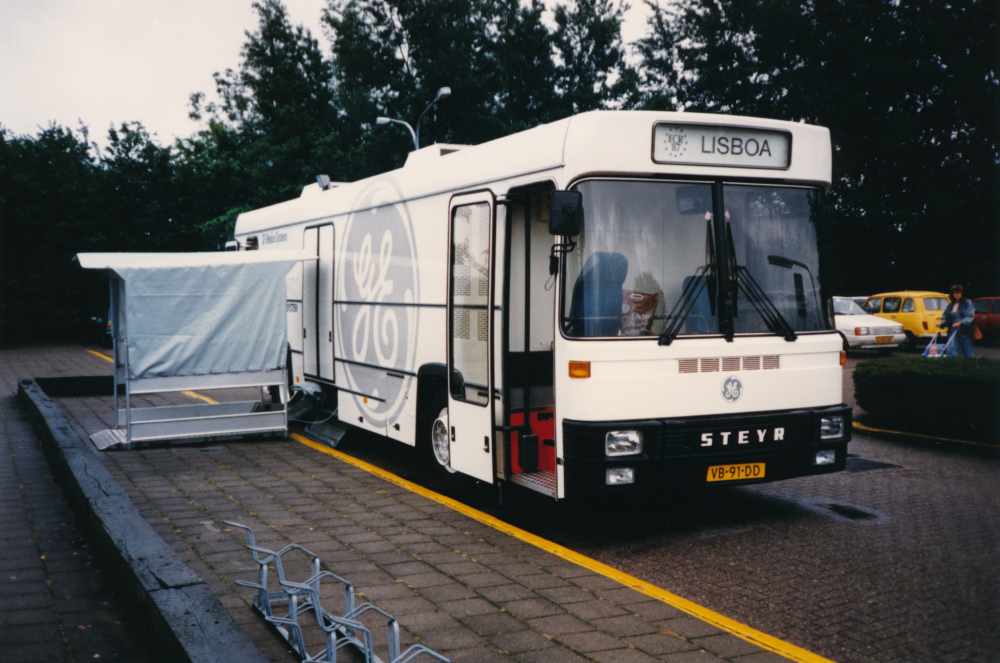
<point x="438" y="439"/>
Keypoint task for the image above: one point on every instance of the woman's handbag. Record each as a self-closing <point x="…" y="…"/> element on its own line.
<point x="976" y="334"/>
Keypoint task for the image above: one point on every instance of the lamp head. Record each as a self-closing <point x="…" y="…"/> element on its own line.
<point x="781" y="261"/>
<point x="443" y="93"/>
<point x="383" y="120"/>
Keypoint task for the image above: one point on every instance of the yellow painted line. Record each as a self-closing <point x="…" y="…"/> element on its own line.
<point x="192" y="394"/>
<point x="753" y="636"/>
<point x="195" y="394"/>
<point x="929" y="437"/>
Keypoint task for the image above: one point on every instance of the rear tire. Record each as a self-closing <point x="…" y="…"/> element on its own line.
<point x="910" y="344"/>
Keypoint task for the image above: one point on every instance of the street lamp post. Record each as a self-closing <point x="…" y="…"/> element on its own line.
<point x="443" y="93"/>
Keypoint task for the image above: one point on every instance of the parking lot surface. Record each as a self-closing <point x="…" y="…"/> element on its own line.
<point x="463" y="588"/>
<point x="895" y="559"/>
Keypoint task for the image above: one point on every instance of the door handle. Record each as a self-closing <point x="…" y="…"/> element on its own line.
<point x="303" y="332"/>
<point x="330" y="337"/>
<point x="486" y="443"/>
<point x="452" y="433"/>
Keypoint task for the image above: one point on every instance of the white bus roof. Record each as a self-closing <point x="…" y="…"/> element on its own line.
<point x="594" y="143"/>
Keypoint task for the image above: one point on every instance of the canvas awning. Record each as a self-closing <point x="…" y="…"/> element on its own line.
<point x="199" y="313"/>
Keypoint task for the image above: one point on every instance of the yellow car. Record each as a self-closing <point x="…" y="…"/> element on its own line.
<point x="919" y="311"/>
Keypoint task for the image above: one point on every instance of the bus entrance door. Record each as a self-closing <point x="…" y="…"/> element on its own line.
<point x="470" y="336"/>
<point x="317" y="304"/>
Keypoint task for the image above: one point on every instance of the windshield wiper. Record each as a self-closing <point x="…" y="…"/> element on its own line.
<point x="756" y="296"/>
<point x="703" y="276"/>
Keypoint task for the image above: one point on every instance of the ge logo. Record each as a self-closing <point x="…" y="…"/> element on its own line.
<point x="732" y="389"/>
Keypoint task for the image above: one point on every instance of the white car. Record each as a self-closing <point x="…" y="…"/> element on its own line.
<point x="862" y="331"/>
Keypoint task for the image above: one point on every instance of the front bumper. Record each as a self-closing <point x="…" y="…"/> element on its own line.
<point x="673" y="455"/>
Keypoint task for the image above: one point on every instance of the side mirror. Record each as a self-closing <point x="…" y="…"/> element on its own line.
<point x="565" y="213"/>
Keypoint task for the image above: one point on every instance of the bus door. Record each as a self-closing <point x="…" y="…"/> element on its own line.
<point x="527" y="340"/>
<point x="317" y="304"/>
<point x="470" y="335"/>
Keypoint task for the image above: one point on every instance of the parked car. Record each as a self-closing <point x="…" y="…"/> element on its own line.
<point x="988" y="317"/>
<point x="919" y="311"/>
<point x="862" y="331"/>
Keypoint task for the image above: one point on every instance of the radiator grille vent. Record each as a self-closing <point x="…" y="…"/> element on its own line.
<point x="687" y="366"/>
<point x="728" y="364"/>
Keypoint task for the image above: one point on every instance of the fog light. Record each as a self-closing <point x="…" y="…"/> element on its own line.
<point x="831" y="427"/>
<point x="623" y="443"/>
<point x="619" y="476"/>
<point x="826" y="457"/>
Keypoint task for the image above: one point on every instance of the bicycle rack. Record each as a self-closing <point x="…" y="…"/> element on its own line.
<point x="302" y="598"/>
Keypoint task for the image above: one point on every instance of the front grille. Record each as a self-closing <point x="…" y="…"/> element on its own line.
<point x="683" y="437"/>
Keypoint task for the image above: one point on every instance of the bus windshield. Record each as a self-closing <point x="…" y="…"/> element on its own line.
<point x="645" y="259"/>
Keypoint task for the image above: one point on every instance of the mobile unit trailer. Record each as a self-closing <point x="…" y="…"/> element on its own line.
<point x="614" y="300"/>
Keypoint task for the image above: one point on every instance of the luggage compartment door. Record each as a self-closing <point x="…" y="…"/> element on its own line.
<point x="470" y="335"/>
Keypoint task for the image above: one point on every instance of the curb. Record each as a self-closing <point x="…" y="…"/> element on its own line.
<point x="187" y="622"/>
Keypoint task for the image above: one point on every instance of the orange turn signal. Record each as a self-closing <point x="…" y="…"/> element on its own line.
<point x="579" y="369"/>
<point x="843" y="358"/>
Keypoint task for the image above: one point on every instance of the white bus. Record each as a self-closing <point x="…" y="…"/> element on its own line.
<point x="615" y="300"/>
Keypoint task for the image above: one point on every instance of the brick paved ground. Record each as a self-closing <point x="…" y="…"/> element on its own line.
<point x="458" y="586"/>
<point x="53" y="603"/>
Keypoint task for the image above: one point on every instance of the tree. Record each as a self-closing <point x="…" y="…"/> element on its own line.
<point x="592" y="72"/>
<point x="49" y="209"/>
<point x="910" y="96"/>
<point x="391" y="56"/>
<point x="275" y="123"/>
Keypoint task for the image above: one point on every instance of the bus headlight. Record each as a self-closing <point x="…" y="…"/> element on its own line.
<point x="623" y="443"/>
<point x="826" y="457"/>
<point x="831" y="427"/>
<point x="619" y="476"/>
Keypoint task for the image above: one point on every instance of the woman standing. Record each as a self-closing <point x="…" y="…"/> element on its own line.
<point x="960" y="320"/>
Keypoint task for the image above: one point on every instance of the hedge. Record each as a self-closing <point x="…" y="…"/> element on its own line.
<point x="956" y="397"/>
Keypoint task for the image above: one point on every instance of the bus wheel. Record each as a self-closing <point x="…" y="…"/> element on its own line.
<point x="438" y="437"/>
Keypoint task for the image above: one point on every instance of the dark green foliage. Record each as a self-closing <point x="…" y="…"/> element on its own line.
<point x="949" y="397"/>
<point x="910" y="93"/>
<point x="908" y="89"/>
<point x="51" y="197"/>
<point x="592" y="73"/>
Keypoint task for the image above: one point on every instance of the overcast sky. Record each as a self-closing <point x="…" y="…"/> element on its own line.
<point x="108" y="61"/>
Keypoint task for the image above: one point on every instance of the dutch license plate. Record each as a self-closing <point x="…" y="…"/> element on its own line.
<point x="883" y="339"/>
<point x="735" y="472"/>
